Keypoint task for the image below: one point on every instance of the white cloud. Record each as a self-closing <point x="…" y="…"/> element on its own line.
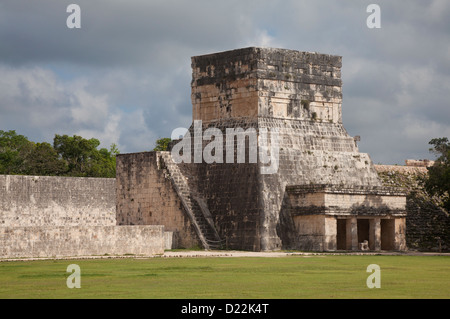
<point x="34" y="100"/>
<point x="31" y="97"/>
<point x="88" y="109"/>
<point x="416" y="129"/>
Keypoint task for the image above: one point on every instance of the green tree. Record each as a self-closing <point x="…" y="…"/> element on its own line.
<point x="105" y="162"/>
<point x="437" y="181"/>
<point x="14" y="151"/>
<point x="83" y="158"/>
<point x="162" y="144"/>
<point x="69" y="156"/>
<point x="77" y="152"/>
<point x="44" y="160"/>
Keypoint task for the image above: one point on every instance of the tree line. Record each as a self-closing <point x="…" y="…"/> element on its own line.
<point x="68" y="156"/>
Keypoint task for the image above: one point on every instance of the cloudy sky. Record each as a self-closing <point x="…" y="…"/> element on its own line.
<point x="124" y="76"/>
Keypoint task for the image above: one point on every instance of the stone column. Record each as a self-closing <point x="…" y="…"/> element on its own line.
<point x="352" y="234"/>
<point x="375" y="234"/>
<point x="400" y="234"/>
<point x="330" y="235"/>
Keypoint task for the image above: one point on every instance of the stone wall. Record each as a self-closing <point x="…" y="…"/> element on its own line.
<point x="60" y="241"/>
<point x="315" y="232"/>
<point x="146" y="196"/>
<point x="224" y="85"/>
<point x="231" y="190"/>
<point x="427" y="224"/>
<point x="299" y="85"/>
<point x="393" y="169"/>
<point x="56" y="201"/>
<point x="345" y="201"/>
<point x="267" y="82"/>
<point x="419" y="163"/>
<point x="42" y="216"/>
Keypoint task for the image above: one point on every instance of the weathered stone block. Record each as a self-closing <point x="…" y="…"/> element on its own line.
<point x="270" y="82"/>
<point x="62" y="241"/>
<point x="145" y="195"/>
<point x="56" y="201"/>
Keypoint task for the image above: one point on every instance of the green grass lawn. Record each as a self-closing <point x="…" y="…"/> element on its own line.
<point x="322" y="276"/>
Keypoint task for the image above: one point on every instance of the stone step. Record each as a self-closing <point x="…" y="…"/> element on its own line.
<point x="183" y="189"/>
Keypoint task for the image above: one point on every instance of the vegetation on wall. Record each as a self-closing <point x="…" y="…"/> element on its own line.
<point x="427" y="222"/>
<point x="427" y="201"/>
<point x="437" y="182"/>
<point x="162" y="144"/>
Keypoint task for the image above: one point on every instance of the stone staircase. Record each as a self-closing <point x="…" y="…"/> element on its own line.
<point x="194" y="206"/>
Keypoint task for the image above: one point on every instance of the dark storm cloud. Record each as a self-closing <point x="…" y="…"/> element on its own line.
<point x="116" y="32"/>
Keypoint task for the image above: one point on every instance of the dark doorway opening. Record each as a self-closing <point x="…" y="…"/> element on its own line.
<point x="363" y="230"/>
<point x="341" y="234"/>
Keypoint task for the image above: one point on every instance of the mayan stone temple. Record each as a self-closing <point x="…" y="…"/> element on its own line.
<point x="308" y="187"/>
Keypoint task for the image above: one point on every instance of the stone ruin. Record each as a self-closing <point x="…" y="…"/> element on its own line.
<point x="316" y="193"/>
